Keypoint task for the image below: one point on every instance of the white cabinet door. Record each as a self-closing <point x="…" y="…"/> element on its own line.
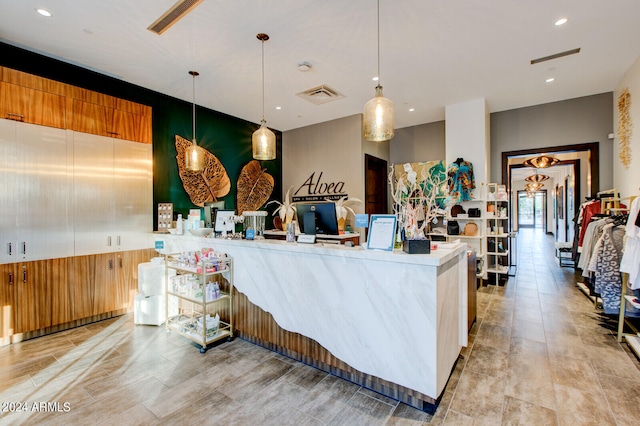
<point x="34" y="191"/>
<point x="8" y="192"/>
<point x="133" y="194"/>
<point x="93" y="201"/>
<point x="113" y="194"/>
<point x="44" y="230"/>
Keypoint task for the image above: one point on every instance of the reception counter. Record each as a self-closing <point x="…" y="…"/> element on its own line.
<point x="390" y="321"/>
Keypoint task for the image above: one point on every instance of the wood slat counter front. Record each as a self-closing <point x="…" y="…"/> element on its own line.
<point x="389" y="321"/>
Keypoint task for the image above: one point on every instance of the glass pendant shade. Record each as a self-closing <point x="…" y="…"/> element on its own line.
<point x="263" y="143"/>
<point x="378" y="120"/>
<point x="194" y="158"/>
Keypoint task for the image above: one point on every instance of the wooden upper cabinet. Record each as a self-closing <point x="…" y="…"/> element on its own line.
<point x="106" y="121"/>
<point x="32" y="99"/>
<point x="32" y="106"/>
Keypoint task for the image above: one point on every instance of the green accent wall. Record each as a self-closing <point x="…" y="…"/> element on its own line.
<point x="226" y="137"/>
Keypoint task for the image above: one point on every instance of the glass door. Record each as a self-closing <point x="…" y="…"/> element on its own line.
<point x="532" y="208"/>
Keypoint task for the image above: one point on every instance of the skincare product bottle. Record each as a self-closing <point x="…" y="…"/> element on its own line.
<point x="179" y="229"/>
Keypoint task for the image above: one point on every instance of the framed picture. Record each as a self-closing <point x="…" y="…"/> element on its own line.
<point x="382" y="231"/>
<point x="560" y="202"/>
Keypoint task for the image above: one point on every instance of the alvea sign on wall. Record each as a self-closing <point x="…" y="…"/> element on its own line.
<point x="318" y="187"/>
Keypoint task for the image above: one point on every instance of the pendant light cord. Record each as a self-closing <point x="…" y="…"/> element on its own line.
<point x="194" y="108"/>
<point x="262" y="42"/>
<point x="378" y="42"/>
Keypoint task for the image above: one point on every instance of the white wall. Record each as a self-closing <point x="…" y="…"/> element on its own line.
<point x="335" y="148"/>
<point x="467" y="137"/>
<point x="627" y="180"/>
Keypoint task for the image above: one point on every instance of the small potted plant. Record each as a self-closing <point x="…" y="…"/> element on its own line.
<point x="285" y="211"/>
<point x="343" y="208"/>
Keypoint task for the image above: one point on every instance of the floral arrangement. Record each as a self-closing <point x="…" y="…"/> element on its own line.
<point x="286" y="209"/>
<point x="343" y="208"/>
<point x="417" y="190"/>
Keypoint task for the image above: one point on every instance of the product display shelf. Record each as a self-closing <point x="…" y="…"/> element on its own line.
<point x="476" y="242"/>
<point x="497" y="226"/>
<point x="190" y="308"/>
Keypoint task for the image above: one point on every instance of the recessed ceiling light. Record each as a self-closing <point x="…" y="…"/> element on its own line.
<point x="411" y="109"/>
<point x="550" y="80"/>
<point x="375" y="78"/>
<point x="278" y="108"/>
<point x="43" y="12"/>
<point x="561" y="21"/>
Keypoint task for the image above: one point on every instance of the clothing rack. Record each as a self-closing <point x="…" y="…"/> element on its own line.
<point x="633" y="340"/>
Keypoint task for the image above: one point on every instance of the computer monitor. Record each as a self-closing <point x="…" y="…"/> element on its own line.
<point x="317" y="218"/>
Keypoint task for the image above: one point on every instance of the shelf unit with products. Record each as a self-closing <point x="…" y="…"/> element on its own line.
<point x="199" y="298"/>
<point x="469" y="215"/>
<point x="497" y="225"/>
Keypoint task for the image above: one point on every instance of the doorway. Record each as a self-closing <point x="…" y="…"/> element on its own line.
<point x="375" y="186"/>
<point x="532" y="209"/>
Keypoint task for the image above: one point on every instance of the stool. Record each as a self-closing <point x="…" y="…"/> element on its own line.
<point x="562" y="250"/>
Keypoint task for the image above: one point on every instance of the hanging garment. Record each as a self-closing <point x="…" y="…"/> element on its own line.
<point x="608" y="279"/>
<point x="630" y="262"/>
<point x="460" y="180"/>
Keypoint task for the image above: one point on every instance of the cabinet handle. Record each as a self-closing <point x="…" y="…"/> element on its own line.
<point x="113" y="133"/>
<point x="120" y="262"/>
<point x="16" y="117"/>
<point x="24" y="276"/>
<point x="10" y="278"/>
<point x="110" y="264"/>
<point x="109" y="241"/>
<point x="118" y="240"/>
<point x="10" y="249"/>
<point x="24" y="247"/>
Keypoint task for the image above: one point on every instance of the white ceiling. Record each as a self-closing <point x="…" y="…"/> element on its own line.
<point x="433" y="53"/>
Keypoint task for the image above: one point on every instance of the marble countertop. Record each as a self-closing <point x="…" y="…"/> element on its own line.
<point x="436" y="258"/>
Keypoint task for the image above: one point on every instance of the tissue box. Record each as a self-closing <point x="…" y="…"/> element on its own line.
<point x="416" y="246"/>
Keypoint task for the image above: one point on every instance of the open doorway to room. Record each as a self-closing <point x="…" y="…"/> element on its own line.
<point x="532" y="210"/>
<point x="575" y="176"/>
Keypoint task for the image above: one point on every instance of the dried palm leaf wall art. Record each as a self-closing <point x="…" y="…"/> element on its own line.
<point x="208" y="185"/>
<point x="255" y="186"/>
<point x="624" y="127"/>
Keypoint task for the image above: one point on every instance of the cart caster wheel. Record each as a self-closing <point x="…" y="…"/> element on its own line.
<point x="202" y="350"/>
<point x="229" y="339"/>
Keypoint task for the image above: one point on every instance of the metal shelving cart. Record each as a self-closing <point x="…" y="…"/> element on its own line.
<point x="199" y="299"/>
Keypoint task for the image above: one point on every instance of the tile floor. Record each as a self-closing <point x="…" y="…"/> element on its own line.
<point x="539" y="354"/>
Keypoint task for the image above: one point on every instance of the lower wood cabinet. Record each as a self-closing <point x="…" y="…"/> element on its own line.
<point x="39" y="294"/>
<point x="47" y="293"/>
<point x="8" y="272"/>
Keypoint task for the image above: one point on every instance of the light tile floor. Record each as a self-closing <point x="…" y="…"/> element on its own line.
<point x="539" y="354"/>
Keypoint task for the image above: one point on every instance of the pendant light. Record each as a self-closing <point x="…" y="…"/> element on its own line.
<point x="536" y="178"/>
<point x="532" y="187"/>
<point x="541" y="162"/>
<point x="194" y="156"/>
<point x="378" y="115"/>
<point x="263" y="141"/>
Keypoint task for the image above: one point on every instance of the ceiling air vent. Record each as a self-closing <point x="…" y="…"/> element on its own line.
<point x="320" y="95"/>
<point x="555" y="56"/>
<point x="173" y="15"/>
